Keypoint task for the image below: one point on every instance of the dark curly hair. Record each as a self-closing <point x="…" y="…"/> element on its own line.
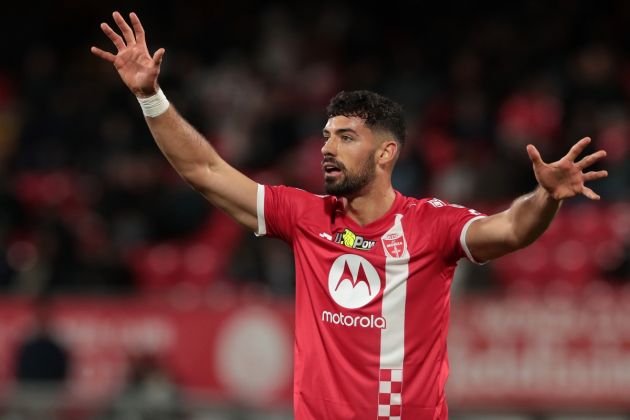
<point x="378" y="112"/>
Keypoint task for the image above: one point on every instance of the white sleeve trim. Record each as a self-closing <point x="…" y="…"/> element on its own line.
<point x="462" y="240"/>
<point x="260" y="211"/>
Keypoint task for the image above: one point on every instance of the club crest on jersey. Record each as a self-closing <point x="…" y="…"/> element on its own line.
<point x="394" y="244"/>
<point x="351" y="240"/>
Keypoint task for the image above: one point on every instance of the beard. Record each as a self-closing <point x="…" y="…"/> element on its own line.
<point x="350" y="183"/>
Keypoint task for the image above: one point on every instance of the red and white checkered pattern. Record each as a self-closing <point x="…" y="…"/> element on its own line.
<point x="390" y="394"/>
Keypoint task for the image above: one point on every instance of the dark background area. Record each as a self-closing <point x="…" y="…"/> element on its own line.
<point x="83" y="187"/>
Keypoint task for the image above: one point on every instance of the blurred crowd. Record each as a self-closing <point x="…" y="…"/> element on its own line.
<point x="85" y="194"/>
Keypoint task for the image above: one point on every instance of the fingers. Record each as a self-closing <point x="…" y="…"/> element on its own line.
<point x="137" y="27"/>
<point x="534" y="154"/>
<point x="115" y="38"/>
<point x="590" y="159"/>
<point x="590" y="193"/>
<point x="594" y="175"/>
<point x="124" y="28"/>
<point x="157" y="57"/>
<point x="578" y="148"/>
<point x="103" y="54"/>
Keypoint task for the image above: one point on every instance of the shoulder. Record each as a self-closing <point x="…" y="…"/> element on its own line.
<point x="299" y="199"/>
<point x="435" y="208"/>
<point x="437" y="205"/>
<point x="294" y="193"/>
<point x="424" y="205"/>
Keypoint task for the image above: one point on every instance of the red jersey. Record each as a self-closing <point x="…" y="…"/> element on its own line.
<point x="372" y="303"/>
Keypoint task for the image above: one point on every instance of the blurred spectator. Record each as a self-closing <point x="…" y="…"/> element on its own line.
<point x="42" y="368"/>
<point x="148" y="394"/>
<point x="41" y="357"/>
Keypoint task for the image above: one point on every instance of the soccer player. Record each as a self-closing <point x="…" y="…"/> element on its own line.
<point x="373" y="267"/>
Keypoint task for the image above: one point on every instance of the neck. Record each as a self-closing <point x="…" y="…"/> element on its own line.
<point x="370" y="204"/>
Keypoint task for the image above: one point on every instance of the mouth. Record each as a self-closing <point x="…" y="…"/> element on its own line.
<point x="331" y="169"/>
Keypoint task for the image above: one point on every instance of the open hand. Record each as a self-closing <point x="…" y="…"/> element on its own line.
<point x="565" y="178"/>
<point x="138" y="70"/>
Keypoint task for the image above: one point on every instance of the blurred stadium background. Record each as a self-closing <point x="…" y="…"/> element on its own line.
<point x="165" y="309"/>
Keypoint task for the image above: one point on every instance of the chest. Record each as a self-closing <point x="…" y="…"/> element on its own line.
<point x="339" y="266"/>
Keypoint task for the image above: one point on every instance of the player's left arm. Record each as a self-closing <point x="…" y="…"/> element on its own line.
<point x="529" y="215"/>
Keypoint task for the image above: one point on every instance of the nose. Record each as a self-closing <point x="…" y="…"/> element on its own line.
<point x="330" y="147"/>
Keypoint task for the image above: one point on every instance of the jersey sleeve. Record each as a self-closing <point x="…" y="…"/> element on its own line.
<point x="277" y="211"/>
<point x="451" y="222"/>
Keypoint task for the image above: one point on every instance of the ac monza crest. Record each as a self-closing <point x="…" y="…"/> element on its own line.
<point x="394" y="244"/>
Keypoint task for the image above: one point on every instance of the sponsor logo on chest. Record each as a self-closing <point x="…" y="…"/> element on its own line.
<point x="351" y="240"/>
<point x="353" y="282"/>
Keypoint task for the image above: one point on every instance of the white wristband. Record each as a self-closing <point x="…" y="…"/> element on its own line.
<point x="154" y="105"/>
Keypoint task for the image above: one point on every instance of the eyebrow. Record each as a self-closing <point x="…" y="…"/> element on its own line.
<point x="340" y="131"/>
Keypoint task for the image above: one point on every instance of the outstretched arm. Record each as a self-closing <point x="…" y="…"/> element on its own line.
<point x="185" y="148"/>
<point x="529" y="215"/>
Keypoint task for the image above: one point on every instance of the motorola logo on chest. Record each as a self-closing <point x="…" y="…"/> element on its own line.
<point x="353" y="282"/>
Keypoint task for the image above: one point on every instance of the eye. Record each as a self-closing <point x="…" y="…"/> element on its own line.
<point x="346" y="138"/>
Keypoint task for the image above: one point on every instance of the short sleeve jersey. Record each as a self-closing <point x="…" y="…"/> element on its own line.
<point x="372" y="303"/>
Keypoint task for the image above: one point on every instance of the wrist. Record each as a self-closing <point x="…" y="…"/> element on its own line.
<point x="547" y="199"/>
<point x="153" y="105"/>
<point x="145" y="94"/>
<point x="546" y="194"/>
<point x="146" y="91"/>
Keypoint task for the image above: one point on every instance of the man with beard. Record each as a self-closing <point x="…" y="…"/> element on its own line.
<point x="373" y="267"/>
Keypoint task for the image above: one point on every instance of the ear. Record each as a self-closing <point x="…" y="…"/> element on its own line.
<point x="387" y="152"/>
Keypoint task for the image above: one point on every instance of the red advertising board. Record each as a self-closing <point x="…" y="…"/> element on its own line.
<point x="545" y="351"/>
<point x="550" y="351"/>
<point x="227" y="348"/>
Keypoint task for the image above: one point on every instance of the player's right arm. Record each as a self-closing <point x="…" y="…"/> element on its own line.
<point x="186" y="149"/>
